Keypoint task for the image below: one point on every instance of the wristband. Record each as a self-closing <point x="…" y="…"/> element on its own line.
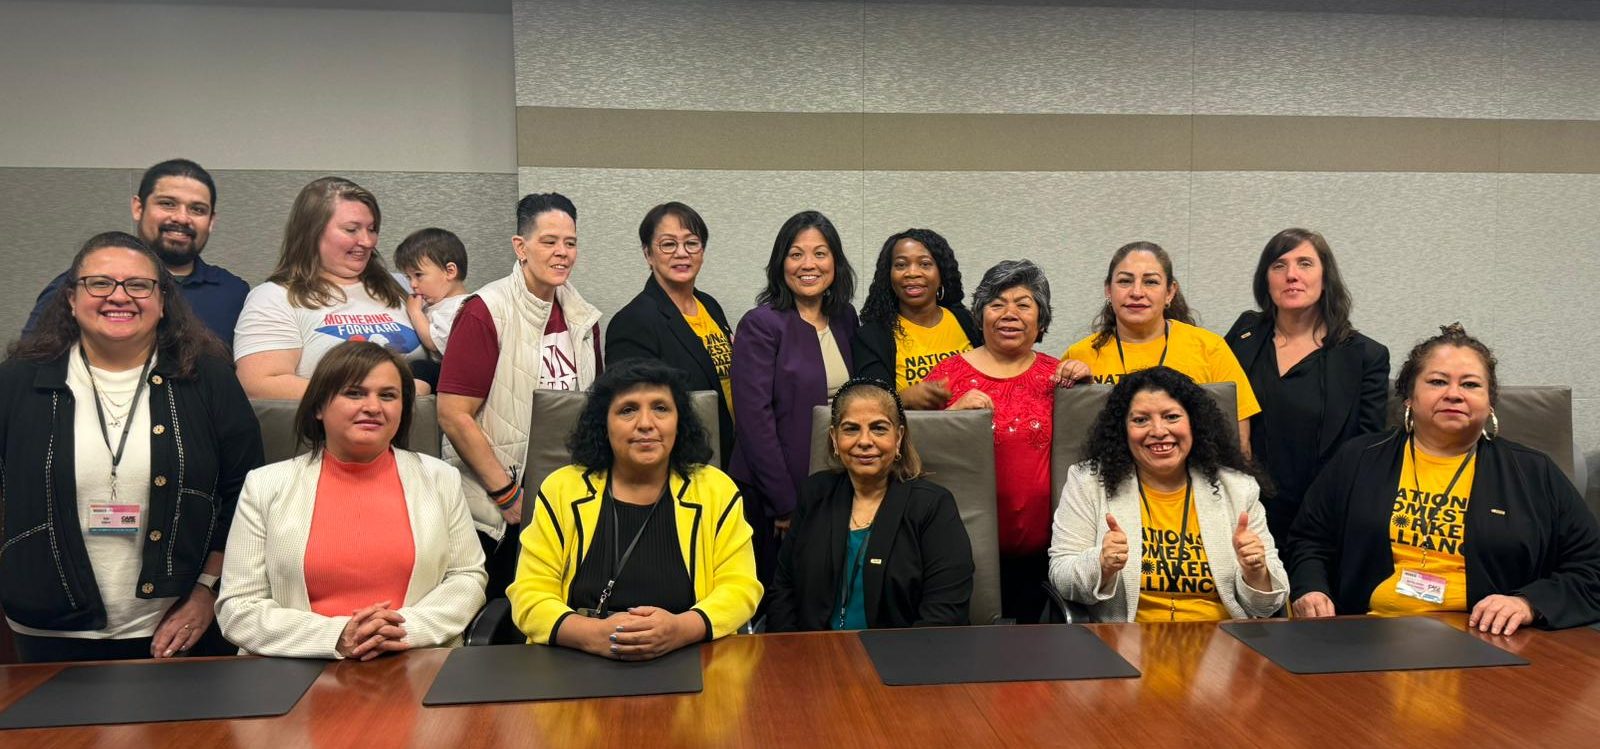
<point x="508" y="487"/>
<point x="505" y="503"/>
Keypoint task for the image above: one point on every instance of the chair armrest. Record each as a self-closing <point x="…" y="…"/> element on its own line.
<point x="483" y="627"/>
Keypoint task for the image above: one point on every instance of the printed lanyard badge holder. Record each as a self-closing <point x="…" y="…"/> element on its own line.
<point x="113" y="517"/>
<point x="1418" y="583"/>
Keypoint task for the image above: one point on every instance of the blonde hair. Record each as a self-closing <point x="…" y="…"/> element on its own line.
<point x="300" y="262"/>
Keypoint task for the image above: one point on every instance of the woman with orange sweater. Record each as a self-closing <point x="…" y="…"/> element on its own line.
<point x="359" y="547"/>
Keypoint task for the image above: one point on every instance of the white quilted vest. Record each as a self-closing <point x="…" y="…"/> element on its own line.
<point x="519" y="320"/>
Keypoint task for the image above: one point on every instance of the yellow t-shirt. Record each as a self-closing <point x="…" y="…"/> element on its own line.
<point x="918" y="349"/>
<point x="717" y="345"/>
<point x="1426" y="530"/>
<point x="1173" y="590"/>
<point x="1196" y="352"/>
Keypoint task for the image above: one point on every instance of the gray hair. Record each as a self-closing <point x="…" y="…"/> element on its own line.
<point x="1007" y="275"/>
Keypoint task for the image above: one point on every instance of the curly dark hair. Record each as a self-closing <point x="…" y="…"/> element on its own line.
<point x="1449" y="335"/>
<point x="180" y="336"/>
<point x="1214" y="446"/>
<point x="590" y="441"/>
<point x="882" y="307"/>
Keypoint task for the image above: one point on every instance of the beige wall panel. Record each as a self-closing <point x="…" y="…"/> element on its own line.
<point x="1552" y="68"/>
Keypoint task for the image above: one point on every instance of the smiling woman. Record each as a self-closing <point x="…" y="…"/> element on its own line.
<point x="359" y="547"/>
<point x="124" y="438"/>
<point x="330" y="286"/>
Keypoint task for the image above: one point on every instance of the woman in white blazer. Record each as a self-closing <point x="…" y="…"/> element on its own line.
<point x="359" y="547"/>
<point x="1166" y="478"/>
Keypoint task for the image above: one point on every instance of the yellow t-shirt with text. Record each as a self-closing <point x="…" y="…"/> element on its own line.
<point x="1173" y="589"/>
<point x="1196" y="352"/>
<point x="918" y="349"/>
<point x="717" y="345"/>
<point x="1426" y="530"/>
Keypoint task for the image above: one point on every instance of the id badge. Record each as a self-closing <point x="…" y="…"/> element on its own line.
<point x="114" y="519"/>
<point x="1421" y="586"/>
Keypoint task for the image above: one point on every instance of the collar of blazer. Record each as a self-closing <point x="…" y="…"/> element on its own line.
<point x="1254" y="333"/>
<point x="880" y="544"/>
<point x="586" y="515"/>
<point x="680" y="327"/>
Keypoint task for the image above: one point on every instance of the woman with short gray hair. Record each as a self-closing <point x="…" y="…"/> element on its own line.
<point x="1005" y="374"/>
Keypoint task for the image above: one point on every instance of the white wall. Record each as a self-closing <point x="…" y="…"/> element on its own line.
<point x="285" y="88"/>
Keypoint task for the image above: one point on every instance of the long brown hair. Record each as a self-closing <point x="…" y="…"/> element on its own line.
<point x="1333" y="307"/>
<point x="181" y="338"/>
<point x="1105" y="323"/>
<point x="344" y="365"/>
<point x="299" y="262"/>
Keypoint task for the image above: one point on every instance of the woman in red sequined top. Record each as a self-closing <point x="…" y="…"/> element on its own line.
<point x="1005" y="374"/>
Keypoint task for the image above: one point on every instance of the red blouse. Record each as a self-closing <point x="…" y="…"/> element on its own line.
<point x="1023" y="410"/>
<point x="360" y="550"/>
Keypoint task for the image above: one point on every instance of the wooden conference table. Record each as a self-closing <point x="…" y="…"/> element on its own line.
<point x="1200" y="687"/>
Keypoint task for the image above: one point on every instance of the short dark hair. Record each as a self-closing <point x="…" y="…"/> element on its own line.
<point x="590" y="441"/>
<point x="344" y="365"/>
<point x="1105" y="322"/>
<point x="439" y="246"/>
<point x="1449" y="335"/>
<point x="181" y="337"/>
<point x="1008" y="274"/>
<point x="1335" y="304"/>
<point x="534" y="204"/>
<point x="684" y="214"/>
<point x="882" y="307"/>
<point x="778" y="294"/>
<point x="1214" y="448"/>
<point x="176" y="168"/>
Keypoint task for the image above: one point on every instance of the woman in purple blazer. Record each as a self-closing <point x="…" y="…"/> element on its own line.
<point x="790" y="353"/>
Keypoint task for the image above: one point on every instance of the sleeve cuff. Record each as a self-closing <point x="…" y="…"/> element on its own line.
<point x="557" y="626"/>
<point x="710" y="633"/>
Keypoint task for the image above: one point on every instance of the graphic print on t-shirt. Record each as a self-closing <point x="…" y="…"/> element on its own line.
<point x="380" y="328"/>
<point x="1428" y="520"/>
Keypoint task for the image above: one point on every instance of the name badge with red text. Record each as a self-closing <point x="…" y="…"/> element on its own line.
<point x="1421" y="586"/>
<point x="110" y="518"/>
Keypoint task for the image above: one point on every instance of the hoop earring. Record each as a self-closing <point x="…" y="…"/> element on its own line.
<point x="1406" y="420"/>
<point x="1494" y="421"/>
<point x="940" y="294"/>
<point x="897" y="455"/>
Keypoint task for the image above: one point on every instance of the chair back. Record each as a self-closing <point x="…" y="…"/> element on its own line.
<point x="556" y="412"/>
<point x="957" y="449"/>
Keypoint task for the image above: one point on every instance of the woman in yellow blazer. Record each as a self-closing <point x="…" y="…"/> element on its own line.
<point x="639" y="548"/>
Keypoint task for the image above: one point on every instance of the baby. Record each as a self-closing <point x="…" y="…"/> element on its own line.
<point x="435" y="262"/>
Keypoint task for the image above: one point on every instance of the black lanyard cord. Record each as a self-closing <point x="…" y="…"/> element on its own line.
<point x="133" y="407"/>
<point x="619" y="562"/>
<point x="1166" y="339"/>
<point x="1183" y="529"/>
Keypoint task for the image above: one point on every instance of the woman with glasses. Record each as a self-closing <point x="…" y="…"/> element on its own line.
<point x="124" y="440"/>
<point x="672" y="322"/>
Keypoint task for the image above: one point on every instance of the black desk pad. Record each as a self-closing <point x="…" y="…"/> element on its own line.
<point x="519" y="673"/>
<point x="146" y="692"/>
<point x="1336" y="646"/>
<point x="958" y="655"/>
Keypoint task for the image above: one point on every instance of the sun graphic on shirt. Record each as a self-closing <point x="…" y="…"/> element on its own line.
<point x="1400" y="521"/>
<point x="1147" y="567"/>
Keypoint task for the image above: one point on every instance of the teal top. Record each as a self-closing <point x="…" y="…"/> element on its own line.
<point x="851" y="611"/>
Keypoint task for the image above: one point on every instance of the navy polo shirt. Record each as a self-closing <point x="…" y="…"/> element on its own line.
<point x="215" y="295"/>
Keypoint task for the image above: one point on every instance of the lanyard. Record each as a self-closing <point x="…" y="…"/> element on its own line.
<point x="1416" y="482"/>
<point x="1166" y="338"/>
<point x="1183" y="536"/>
<point x="622" y="561"/>
<point x="127" y="426"/>
<point x="847" y="589"/>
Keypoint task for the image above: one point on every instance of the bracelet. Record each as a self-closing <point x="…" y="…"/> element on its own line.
<point x="509" y="499"/>
<point x="502" y="490"/>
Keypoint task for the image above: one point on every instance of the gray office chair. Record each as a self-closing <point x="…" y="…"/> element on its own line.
<point x="957" y="449"/>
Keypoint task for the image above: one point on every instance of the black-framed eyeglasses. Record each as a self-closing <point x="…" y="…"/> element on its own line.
<point x="104" y="286"/>
<point x="670" y="247"/>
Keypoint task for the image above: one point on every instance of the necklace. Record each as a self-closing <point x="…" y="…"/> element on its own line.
<point x="857" y="525"/>
<point x="114" y="419"/>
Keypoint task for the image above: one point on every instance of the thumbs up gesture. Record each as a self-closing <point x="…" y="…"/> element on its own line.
<point x="1251" y="553"/>
<point x="1113" y="549"/>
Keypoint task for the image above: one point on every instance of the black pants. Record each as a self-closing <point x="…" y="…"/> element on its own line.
<point x="1022" y="596"/>
<point x="426" y="370"/>
<point x="500" y="561"/>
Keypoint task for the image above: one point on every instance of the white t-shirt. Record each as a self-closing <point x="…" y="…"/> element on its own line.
<point x="441" y="316"/>
<point x="115" y="558"/>
<point x="269" y="323"/>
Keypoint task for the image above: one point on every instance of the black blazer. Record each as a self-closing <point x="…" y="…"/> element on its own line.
<point x="651" y="327"/>
<point x="924" y="577"/>
<point x="1357" y="385"/>
<point x="874" y="346"/>
<point x="204" y="439"/>
<point x="1528" y="533"/>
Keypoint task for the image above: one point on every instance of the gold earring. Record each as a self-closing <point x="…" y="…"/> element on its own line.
<point x="1407" y="419"/>
<point x="1494" y="421"/>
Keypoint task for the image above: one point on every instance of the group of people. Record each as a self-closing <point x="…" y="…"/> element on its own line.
<point x="180" y="540"/>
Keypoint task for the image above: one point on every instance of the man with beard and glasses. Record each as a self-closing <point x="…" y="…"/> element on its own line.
<point x="173" y="213"/>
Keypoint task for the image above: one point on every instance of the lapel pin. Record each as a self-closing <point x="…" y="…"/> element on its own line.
<point x="1247" y="334"/>
<point x="875" y="561"/>
<point x="1497" y="511"/>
